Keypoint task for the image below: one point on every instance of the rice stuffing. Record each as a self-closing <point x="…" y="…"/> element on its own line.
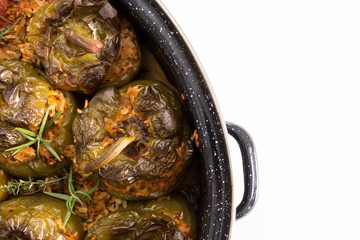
<point x="14" y="18"/>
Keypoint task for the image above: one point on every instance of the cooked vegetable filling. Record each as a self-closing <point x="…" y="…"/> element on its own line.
<point x="37" y="217"/>
<point x="76" y="42"/>
<point x="127" y="61"/>
<point x="14" y="18"/>
<point x="65" y="171"/>
<point x="26" y="97"/>
<point x="168" y="218"/>
<point x="139" y="143"/>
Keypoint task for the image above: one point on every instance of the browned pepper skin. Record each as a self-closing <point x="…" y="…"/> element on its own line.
<point x="171" y="219"/>
<point x="38" y="217"/>
<point x="128" y="61"/>
<point x="23" y="102"/>
<point x="155" y="162"/>
<point x="77" y="41"/>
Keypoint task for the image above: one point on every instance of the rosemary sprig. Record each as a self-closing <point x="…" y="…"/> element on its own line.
<point x="73" y="198"/>
<point x="37" y="138"/>
<point x="16" y="186"/>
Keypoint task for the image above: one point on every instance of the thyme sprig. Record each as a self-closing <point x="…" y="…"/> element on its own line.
<point x="73" y="198"/>
<point x="37" y="138"/>
<point x="15" y="186"/>
<point x="7" y="30"/>
<point x="3" y="32"/>
<point x="4" y="19"/>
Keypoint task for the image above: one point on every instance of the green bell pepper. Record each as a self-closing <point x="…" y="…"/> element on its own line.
<point x="171" y="219"/>
<point x="24" y="98"/>
<point x="38" y="217"/>
<point x="135" y="140"/>
<point x="76" y="41"/>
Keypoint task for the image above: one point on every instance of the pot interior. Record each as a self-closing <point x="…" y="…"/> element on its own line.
<point x="161" y="35"/>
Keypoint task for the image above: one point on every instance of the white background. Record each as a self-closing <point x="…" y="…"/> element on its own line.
<point x="288" y="72"/>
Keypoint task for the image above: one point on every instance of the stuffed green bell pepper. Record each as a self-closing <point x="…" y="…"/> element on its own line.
<point x="168" y="218"/>
<point x="25" y="97"/>
<point x="38" y="217"/>
<point x="135" y="140"/>
<point x="76" y="41"/>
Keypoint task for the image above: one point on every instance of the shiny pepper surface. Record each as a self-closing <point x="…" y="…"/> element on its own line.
<point x="169" y="218"/>
<point x="38" y="217"/>
<point x="77" y="41"/>
<point x="135" y="139"/>
<point x="24" y="98"/>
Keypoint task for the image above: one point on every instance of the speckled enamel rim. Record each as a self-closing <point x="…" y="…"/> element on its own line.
<point x="184" y="71"/>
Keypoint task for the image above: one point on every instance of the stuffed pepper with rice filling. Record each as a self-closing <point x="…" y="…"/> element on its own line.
<point x="168" y="218"/>
<point x="78" y="43"/>
<point x="38" y="217"/>
<point x="25" y="98"/>
<point x="135" y="140"/>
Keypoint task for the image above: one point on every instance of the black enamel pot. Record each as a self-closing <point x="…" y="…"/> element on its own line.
<point x="184" y="71"/>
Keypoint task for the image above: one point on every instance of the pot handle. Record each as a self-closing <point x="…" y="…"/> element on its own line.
<point x="247" y="149"/>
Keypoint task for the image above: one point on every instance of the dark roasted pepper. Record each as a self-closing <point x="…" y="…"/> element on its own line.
<point x="25" y="96"/>
<point x="38" y="217"/>
<point x="170" y="219"/>
<point x="77" y="41"/>
<point x="135" y="139"/>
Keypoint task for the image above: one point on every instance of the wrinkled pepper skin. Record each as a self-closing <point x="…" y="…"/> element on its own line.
<point x="128" y="61"/>
<point x="171" y="219"/>
<point x="38" y="217"/>
<point x="154" y="163"/>
<point x="76" y="41"/>
<point x="24" y="98"/>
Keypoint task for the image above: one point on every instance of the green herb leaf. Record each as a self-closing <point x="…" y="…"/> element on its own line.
<point x="43" y="123"/>
<point x="73" y="198"/>
<point x="33" y="137"/>
<point x="68" y="204"/>
<point x="26" y="132"/>
<point x="21" y="147"/>
<point x="52" y="120"/>
<point x="4" y="32"/>
<point x="14" y="186"/>
<point x="72" y="204"/>
<point x="85" y="195"/>
<point x="8" y="29"/>
<point x="57" y="195"/>
<point x="38" y="149"/>
<point x="28" y="137"/>
<point x="51" y="150"/>
<point x="67" y="217"/>
<point x="70" y="184"/>
<point x="15" y="152"/>
<point x="92" y="190"/>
